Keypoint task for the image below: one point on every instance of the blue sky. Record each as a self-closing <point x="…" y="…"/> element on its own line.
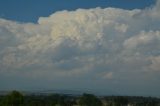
<point x="104" y="46"/>
<point x="30" y="11"/>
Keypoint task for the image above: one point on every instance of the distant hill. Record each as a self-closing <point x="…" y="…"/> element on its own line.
<point x="64" y="92"/>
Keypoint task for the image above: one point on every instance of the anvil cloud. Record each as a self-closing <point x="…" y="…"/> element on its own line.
<point x="112" y="48"/>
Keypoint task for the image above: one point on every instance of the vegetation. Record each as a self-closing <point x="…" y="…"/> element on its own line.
<point x="16" y="98"/>
<point x="89" y="100"/>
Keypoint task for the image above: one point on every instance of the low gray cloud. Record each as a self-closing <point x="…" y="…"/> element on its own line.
<point x="110" y="46"/>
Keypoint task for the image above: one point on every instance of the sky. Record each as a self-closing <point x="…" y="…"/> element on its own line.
<point x="103" y="46"/>
<point x="30" y="11"/>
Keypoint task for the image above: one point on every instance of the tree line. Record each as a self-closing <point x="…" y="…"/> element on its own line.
<point x="16" y="98"/>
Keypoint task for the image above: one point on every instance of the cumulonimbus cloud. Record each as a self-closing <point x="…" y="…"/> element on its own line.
<point x="84" y="42"/>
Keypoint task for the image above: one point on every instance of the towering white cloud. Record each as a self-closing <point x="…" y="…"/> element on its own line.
<point x="103" y="44"/>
